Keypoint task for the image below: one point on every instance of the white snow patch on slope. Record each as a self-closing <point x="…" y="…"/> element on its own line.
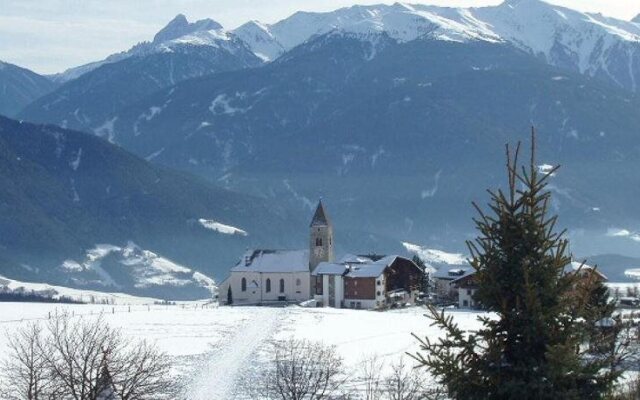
<point x="106" y="129"/>
<point x="76" y="162"/>
<point x="623" y="233"/>
<point x="222" y="105"/>
<point x="146" y="267"/>
<point x="221" y="228"/>
<point x="435" y="256"/>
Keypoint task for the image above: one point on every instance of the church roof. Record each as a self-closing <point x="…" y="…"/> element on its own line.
<point x="320" y="217"/>
<point x="273" y="261"/>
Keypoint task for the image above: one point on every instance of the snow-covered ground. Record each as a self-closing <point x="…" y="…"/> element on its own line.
<point x="217" y="349"/>
<point x="82" y="295"/>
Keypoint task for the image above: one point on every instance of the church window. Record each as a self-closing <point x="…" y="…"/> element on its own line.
<point x="268" y="289"/>
<point x="243" y="284"/>
<point x="281" y="285"/>
<point x="318" y="241"/>
<point x="298" y="282"/>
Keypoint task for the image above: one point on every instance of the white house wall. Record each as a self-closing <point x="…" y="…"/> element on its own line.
<point x="466" y="295"/>
<point x="255" y="295"/>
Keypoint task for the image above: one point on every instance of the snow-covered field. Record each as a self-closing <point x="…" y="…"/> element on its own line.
<point x="216" y="349"/>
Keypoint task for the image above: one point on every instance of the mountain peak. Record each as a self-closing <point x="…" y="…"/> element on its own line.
<point x="180" y="26"/>
<point x="636" y="19"/>
<point x="519" y="3"/>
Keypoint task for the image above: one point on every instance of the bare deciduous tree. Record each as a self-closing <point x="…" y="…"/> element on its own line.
<point x="371" y="379"/>
<point x="404" y="383"/>
<point x="67" y="359"/>
<point x="24" y="373"/>
<point x="302" y="370"/>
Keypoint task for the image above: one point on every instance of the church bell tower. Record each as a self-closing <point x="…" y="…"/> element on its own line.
<point x="320" y="238"/>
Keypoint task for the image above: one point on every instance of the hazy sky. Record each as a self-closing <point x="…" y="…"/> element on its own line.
<point x="49" y="36"/>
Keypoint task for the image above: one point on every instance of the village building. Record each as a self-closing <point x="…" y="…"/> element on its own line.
<point x="266" y="276"/>
<point x="368" y="282"/>
<point x="444" y="278"/>
<point x="298" y="276"/>
<point x="466" y="286"/>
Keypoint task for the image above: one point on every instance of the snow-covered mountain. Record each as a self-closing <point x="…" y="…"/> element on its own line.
<point x="592" y="44"/>
<point x="180" y="51"/>
<point x="177" y="33"/>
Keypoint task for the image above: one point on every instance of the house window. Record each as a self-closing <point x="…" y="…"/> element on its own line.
<point x="378" y="293"/>
<point x="318" y="241"/>
<point x="378" y="282"/>
<point x="281" y="285"/>
<point x="465" y="303"/>
<point x="319" y="284"/>
<point x="358" y="305"/>
<point x="268" y="284"/>
<point x="243" y="284"/>
<point x="298" y="282"/>
<point x="469" y="292"/>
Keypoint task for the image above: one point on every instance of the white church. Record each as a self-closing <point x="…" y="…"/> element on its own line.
<point x="264" y="276"/>
<point x="295" y="276"/>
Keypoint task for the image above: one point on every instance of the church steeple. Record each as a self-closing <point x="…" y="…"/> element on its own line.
<point x="320" y="238"/>
<point x="320" y="217"/>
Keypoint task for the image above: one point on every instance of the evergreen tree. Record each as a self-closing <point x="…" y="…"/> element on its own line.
<point x="531" y="348"/>
<point x="229" y="296"/>
<point x="425" y="281"/>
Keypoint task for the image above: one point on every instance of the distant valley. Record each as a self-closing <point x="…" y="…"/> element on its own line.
<point x="205" y="141"/>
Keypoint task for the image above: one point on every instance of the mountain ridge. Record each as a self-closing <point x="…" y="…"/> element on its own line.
<point x="71" y="198"/>
<point x="19" y="87"/>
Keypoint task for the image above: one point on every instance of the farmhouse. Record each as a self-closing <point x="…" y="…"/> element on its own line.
<point x="367" y="282"/>
<point x="444" y="279"/>
<point x="294" y="276"/>
<point x="465" y="286"/>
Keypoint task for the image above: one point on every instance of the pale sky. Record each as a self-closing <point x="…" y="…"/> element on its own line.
<point x="49" y="36"/>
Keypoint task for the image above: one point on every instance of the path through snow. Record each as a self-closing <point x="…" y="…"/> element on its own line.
<point x="217" y="378"/>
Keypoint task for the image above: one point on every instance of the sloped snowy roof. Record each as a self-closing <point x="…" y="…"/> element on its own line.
<point x="453" y="273"/>
<point x="327" y="268"/>
<point x="274" y="261"/>
<point x="367" y="270"/>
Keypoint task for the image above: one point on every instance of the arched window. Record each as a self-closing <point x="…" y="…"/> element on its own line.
<point x="243" y="284"/>
<point x="281" y="285"/>
<point x="298" y="282"/>
<point x="318" y="241"/>
<point x="268" y="285"/>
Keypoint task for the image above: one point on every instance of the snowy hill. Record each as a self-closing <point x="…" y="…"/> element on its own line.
<point x="137" y="271"/>
<point x="57" y="292"/>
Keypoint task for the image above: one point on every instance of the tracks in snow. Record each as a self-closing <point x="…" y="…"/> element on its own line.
<point x="219" y="374"/>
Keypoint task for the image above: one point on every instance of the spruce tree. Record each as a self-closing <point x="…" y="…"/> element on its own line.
<point x="531" y="345"/>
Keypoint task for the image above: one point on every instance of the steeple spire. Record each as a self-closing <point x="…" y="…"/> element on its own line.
<point x="106" y="390"/>
<point x="320" y="217"/>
